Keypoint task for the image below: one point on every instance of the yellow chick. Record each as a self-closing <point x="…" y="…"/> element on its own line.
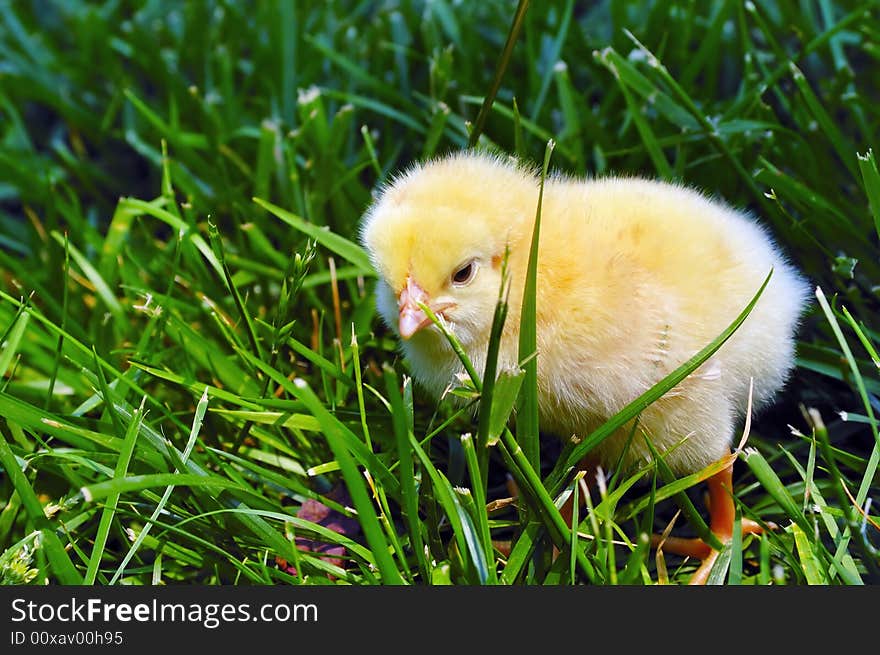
<point x="634" y="277"/>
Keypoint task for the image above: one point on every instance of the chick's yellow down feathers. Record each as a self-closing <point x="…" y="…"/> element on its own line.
<point x="634" y="277"/>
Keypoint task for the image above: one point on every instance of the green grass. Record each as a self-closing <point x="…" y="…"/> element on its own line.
<point x="190" y="348"/>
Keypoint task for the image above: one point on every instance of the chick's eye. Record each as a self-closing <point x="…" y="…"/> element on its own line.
<point x="464" y="274"/>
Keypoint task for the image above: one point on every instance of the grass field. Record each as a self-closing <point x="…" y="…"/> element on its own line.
<point x="194" y="378"/>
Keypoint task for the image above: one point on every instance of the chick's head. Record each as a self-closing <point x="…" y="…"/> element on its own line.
<point x="437" y="236"/>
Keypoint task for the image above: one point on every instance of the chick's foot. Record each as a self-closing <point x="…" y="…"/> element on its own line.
<point x="721" y="522"/>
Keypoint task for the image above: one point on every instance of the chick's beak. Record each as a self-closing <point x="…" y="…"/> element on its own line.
<point x="412" y="318"/>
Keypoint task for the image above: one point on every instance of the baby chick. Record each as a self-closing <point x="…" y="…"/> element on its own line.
<point x="634" y="277"/>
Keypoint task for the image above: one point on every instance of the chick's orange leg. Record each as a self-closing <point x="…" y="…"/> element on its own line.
<point x="721" y="521"/>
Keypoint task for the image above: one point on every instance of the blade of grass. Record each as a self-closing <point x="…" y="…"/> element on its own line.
<point x="478" y="484"/>
<point x="98" y="490"/>
<point x="711" y="132"/>
<point x="871" y="182"/>
<point x="489" y="380"/>
<point x="468" y="516"/>
<point x="860" y="333"/>
<point x="359" y="388"/>
<point x="734" y="572"/>
<point x="664" y="170"/>
<point x="768" y="479"/>
<point x="553" y="58"/>
<point x="201" y="479"/>
<point x="217" y="247"/>
<point x="201" y="408"/>
<point x="463" y="530"/>
<point x="500" y="69"/>
<point x="59" y="560"/>
<point x="718" y="574"/>
<point x="827" y="124"/>
<point x="282" y="419"/>
<point x="506" y="392"/>
<point x="346" y="249"/>
<point x="187" y="233"/>
<point x="521" y="553"/>
<point x="439" y="117"/>
<point x="527" y="421"/>
<point x="575" y="522"/>
<point x="532" y="128"/>
<point x="101" y="288"/>
<point x="406" y="471"/>
<point x="847" y="566"/>
<point x="65" y="305"/>
<point x="842" y="493"/>
<point x="681" y="498"/>
<point x="355" y="446"/>
<point x="745" y="102"/>
<point x="530" y="483"/>
<point x="874" y="460"/>
<point x="12" y="340"/>
<point x="109" y="511"/>
<point x="635" y="563"/>
<point x="339" y="444"/>
<point x="813" y="571"/>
